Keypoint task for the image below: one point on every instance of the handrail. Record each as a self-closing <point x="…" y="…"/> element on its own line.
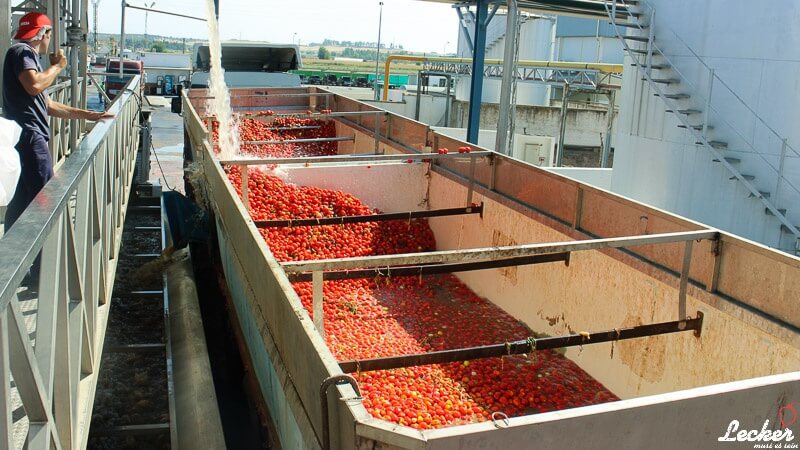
<point x="60" y="142"/>
<point x="686" y="80"/>
<point x="718" y="116"/>
<point x="599" y="67"/>
<point x="75" y="222"/>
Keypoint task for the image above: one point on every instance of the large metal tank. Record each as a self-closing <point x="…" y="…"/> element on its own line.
<point x="535" y="43"/>
<point x="629" y="265"/>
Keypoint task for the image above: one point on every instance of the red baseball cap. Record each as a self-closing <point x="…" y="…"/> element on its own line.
<point x="30" y="24"/>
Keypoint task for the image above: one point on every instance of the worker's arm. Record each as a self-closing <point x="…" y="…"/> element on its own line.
<point x="35" y="82"/>
<point x="63" y="111"/>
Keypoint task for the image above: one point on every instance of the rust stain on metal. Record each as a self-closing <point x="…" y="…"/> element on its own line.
<point x="553" y="320"/>
<point x="646" y="356"/>
<point x="500" y="239"/>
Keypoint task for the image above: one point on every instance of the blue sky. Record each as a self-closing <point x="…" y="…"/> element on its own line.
<point x="418" y="25"/>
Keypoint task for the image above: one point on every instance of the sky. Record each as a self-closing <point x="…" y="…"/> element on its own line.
<point x="417" y="25"/>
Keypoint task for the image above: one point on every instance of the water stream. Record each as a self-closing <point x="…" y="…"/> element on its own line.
<point x="220" y="103"/>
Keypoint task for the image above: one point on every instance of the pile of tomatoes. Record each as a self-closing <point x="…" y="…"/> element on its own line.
<point x="368" y="318"/>
<point x="258" y="129"/>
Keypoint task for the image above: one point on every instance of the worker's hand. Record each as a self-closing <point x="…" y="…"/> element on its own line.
<point x="57" y="58"/>
<point x="98" y="115"/>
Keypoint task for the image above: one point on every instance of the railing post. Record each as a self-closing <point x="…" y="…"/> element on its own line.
<point x="245" y="186"/>
<point x="563" y="128"/>
<point x="316" y="280"/>
<point x="614" y="13"/>
<point x="687" y="261"/>
<point x="6" y="421"/>
<point x="609" y="126"/>
<point x="377" y="132"/>
<point x="711" y="76"/>
<point x="650" y="39"/>
<point x="780" y="171"/>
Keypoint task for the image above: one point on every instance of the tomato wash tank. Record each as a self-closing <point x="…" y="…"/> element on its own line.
<point x="691" y="327"/>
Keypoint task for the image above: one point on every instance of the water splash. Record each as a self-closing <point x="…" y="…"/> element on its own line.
<point x="220" y="103"/>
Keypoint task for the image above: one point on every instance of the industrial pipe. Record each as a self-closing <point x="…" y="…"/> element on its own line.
<point x="600" y="67"/>
<point x="323" y="396"/>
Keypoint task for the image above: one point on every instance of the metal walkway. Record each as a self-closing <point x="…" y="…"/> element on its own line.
<point x="51" y="334"/>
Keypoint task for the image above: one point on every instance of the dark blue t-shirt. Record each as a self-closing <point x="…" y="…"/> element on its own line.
<point x="30" y="112"/>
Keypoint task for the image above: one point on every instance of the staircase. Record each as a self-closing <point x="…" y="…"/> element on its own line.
<point x="633" y="22"/>
<point x="497" y="35"/>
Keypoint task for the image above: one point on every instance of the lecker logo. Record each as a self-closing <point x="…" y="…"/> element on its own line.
<point x="766" y="438"/>
<point x="26" y="23"/>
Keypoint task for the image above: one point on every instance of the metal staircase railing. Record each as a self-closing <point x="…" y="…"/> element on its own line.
<point x="662" y="75"/>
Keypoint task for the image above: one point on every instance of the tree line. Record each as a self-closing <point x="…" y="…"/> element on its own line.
<point x="357" y="44"/>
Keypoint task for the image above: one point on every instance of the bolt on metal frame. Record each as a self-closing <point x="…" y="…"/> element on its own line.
<point x="75" y="222"/>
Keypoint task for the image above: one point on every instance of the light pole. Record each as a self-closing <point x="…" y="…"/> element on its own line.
<point x="444" y="50"/>
<point x="145" y="22"/>
<point x="294" y="36"/>
<point x="378" y="49"/>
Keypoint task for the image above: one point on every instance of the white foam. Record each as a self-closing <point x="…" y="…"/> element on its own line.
<point x="220" y="105"/>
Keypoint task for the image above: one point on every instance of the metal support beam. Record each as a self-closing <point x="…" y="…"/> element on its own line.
<point x="5" y="37"/>
<point x="476" y="85"/>
<point x="317" y="300"/>
<point x="74" y="37"/>
<point x="301" y="141"/>
<point x="687" y="261"/>
<point x="301" y="127"/>
<point x="563" y="125"/>
<point x="353" y="158"/>
<point x="122" y="39"/>
<point x="268" y="95"/>
<point x="341" y="220"/>
<point x="501" y="141"/>
<point x="245" y="188"/>
<point x="465" y="29"/>
<point x="309" y="116"/>
<point x="523" y="346"/>
<point x="476" y="254"/>
<point x="158" y="11"/>
<point x="432" y="269"/>
<point x="609" y="126"/>
<point x="419" y="94"/>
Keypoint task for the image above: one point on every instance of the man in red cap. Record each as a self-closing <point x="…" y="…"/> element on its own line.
<point x="26" y="102"/>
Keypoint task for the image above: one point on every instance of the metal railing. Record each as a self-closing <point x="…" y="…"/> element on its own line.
<point x="60" y="145"/>
<point x="725" y="114"/>
<point x="51" y="336"/>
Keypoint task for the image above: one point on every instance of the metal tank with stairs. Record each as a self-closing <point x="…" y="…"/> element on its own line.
<point x="693" y="136"/>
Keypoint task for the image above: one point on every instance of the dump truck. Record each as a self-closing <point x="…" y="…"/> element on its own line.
<point x="249" y="64"/>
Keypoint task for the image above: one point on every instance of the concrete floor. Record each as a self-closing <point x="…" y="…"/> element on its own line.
<point x="167" y="135"/>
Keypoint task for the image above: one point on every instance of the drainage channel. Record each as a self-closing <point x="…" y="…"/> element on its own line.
<point x="134" y="404"/>
<point x="171" y="374"/>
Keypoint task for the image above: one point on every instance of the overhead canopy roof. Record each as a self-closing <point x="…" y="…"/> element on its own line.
<point x="584" y="8"/>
